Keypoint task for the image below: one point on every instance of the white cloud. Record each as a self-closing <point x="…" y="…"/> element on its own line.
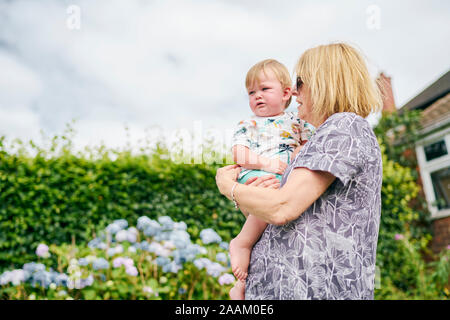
<point x="19" y="85"/>
<point x="19" y="88"/>
<point x="170" y="63"/>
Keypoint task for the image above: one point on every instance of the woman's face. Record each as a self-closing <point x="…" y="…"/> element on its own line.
<point x="303" y="98"/>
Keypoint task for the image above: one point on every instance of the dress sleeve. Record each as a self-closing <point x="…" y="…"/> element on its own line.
<point x="336" y="147"/>
<point x="242" y="135"/>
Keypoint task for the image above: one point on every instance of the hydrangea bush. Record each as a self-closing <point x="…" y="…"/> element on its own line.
<point x="157" y="259"/>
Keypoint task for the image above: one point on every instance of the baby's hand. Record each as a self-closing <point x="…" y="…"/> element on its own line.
<point x="275" y="166"/>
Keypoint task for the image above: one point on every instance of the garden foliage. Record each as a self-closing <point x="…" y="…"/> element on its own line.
<point x="157" y="260"/>
<point x="54" y="195"/>
<point x="407" y="267"/>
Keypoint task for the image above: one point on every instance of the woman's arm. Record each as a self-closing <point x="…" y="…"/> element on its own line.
<point x="277" y="206"/>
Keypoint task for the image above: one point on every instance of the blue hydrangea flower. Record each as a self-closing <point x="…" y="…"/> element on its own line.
<point x="222" y="257"/>
<point x="97" y="243"/>
<point x="61" y="279"/>
<point x="172" y="267"/>
<point x="158" y="249"/>
<point x="215" y="269"/>
<point x="152" y="228"/>
<point x="181" y="256"/>
<point x="180" y="238"/>
<point x="166" y="222"/>
<point x="210" y="236"/>
<point x="121" y="235"/>
<point x="132" y="234"/>
<point x="41" y="278"/>
<point x="100" y="263"/>
<point x="32" y="267"/>
<point x="15" y="277"/>
<point x="162" y="261"/>
<point x="112" y="228"/>
<point x="184" y="255"/>
<point x="180" y="226"/>
<point x="102" y="246"/>
<point x="162" y="236"/>
<point x="143" y="222"/>
<point x="201" y="263"/>
<point x="144" y="245"/>
<point x="115" y="250"/>
<point x="197" y="249"/>
<point x="122" y="223"/>
<point x="94" y="242"/>
<point x="224" y="245"/>
<point x="83" y="262"/>
<point x="86" y="282"/>
<point x="182" y="290"/>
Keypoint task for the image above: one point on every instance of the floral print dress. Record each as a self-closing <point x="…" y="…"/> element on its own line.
<point x="329" y="251"/>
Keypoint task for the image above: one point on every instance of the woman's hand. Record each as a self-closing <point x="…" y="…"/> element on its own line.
<point x="225" y="177"/>
<point x="268" y="181"/>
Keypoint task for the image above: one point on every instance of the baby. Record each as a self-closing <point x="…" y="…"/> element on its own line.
<point x="262" y="145"/>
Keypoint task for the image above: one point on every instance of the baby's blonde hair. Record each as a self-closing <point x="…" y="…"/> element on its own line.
<point x="339" y="81"/>
<point x="279" y="69"/>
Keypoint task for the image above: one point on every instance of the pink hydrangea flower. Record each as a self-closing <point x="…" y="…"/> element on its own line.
<point x="226" y="278"/>
<point x="128" y="262"/>
<point x="399" y="236"/>
<point x="42" y="251"/>
<point x="117" y="262"/>
<point x="147" y="290"/>
<point x="132" y="271"/>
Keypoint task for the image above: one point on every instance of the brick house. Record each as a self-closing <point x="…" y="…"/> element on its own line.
<point x="432" y="150"/>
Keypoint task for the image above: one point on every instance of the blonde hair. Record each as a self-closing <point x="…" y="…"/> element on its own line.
<point x="279" y="69"/>
<point x="338" y="80"/>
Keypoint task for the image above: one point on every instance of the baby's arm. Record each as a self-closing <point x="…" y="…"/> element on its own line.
<point x="248" y="159"/>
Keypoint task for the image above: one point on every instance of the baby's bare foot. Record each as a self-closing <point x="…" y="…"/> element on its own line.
<point x="238" y="291"/>
<point x="240" y="259"/>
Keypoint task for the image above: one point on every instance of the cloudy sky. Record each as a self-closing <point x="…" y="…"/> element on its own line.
<point x="166" y="65"/>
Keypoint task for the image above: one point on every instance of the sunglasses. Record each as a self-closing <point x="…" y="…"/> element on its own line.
<point x="299" y="83"/>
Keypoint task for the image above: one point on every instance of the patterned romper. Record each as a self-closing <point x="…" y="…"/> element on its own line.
<point x="271" y="137"/>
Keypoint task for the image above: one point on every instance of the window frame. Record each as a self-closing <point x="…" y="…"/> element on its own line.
<point x="428" y="167"/>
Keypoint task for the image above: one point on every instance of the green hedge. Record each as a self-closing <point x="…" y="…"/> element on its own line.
<point x="54" y="195"/>
<point x="59" y="196"/>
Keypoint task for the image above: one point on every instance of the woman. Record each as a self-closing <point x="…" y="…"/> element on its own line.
<point x="324" y="219"/>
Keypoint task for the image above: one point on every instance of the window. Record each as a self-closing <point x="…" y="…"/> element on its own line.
<point x="433" y="157"/>
<point x="441" y="186"/>
<point x="435" y="150"/>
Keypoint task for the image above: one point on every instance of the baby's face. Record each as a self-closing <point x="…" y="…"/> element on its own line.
<point x="267" y="97"/>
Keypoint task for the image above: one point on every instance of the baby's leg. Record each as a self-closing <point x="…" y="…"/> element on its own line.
<point x="238" y="291"/>
<point x="241" y="246"/>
